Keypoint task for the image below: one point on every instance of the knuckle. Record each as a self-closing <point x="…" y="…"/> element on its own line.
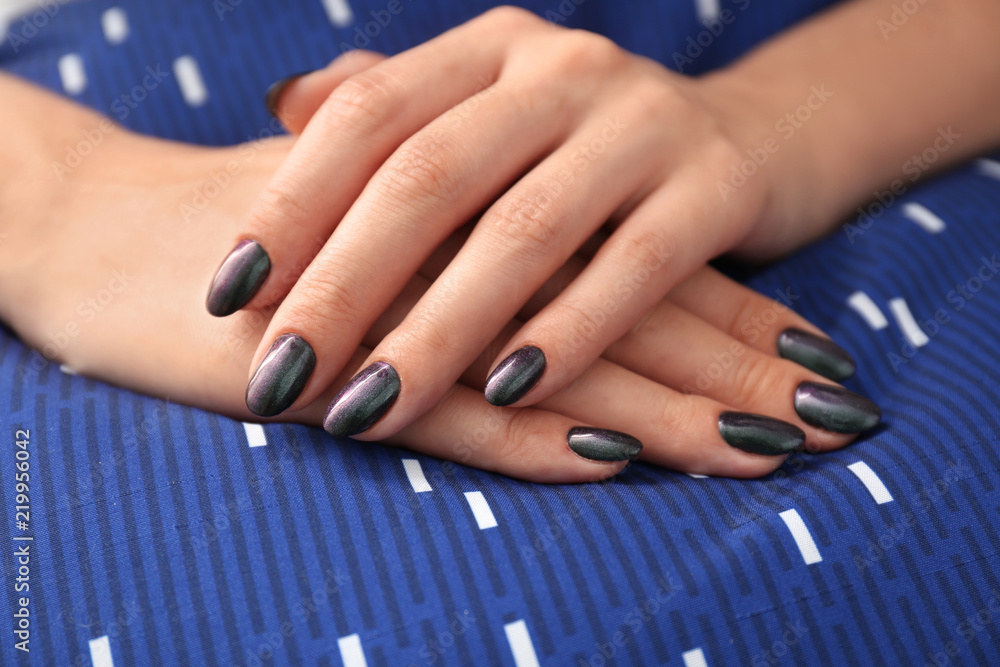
<point x="744" y="313"/>
<point x="522" y="223"/>
<point x="677" y="412"/>
<point x="421" y="171"/>
<point x="658" y="96"/>
<point x="580" y="324"/>
<point x="511" y="16"/>
<point x="279" y="208"/>
<point x="524" y="431"/>
<point x="583" y="50"/>
<point x="367" y="99"/>
<point x="754" y="376"/>
<point x="320" y="298"/>
<point x="420" y="336"/>
<point x="644" y="253"/>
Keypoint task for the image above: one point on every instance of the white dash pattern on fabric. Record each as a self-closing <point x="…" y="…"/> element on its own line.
<point x="521" y="646"/>
<point x="907" y="323"/>
<point x="871" y="481"/>
<point x="803" y="538"/>
<point x="190" y="80"/>
<point x="481" y="510"/>
<point x="863" y="305"/>
<point x="415" y="473"/>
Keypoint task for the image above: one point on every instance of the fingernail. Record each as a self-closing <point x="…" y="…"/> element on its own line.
<point x="598" y="444"/>
<point x="835" y="408"/>
<point x="281" y="376"/>
<point x="238" y="279"/>
<point x="274" y="91"/>
<point x="364" y="400"/>
<point x="515" y="376"/>
<point x="759" y="434"/>
<point x="820" y="355"/>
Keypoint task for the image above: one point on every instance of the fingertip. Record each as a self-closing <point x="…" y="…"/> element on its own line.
<point x="515" y="376"/>
<point x="275" y="92"/>
<point x="363" y="401"/>
<point x="817" y="353"/>
<point x="294" y="99"/>
<point x="238" y="278"/>
<point x="836" y="409"/>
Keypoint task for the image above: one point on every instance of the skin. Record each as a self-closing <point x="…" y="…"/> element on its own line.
<point x="117" y="214"/>
<point x="651" y="151"/>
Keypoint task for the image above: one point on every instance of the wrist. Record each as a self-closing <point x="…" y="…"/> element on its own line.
<point x="773" y="152"/>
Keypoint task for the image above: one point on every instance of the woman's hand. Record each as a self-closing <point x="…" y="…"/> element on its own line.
<point x="553" y="133"/>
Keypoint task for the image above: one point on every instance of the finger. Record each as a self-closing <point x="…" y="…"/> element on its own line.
<point x="678" y="349"/>
<point x="660" y="243"/>
<point x="678" y="431"/>
<point x="295" y="99"/>
<point x="433" y="184"/>
<point x="770" y="326"/>
<point x="534" y="445"/>
<point x="516" y="246"/>
<point x="363" y="121"/>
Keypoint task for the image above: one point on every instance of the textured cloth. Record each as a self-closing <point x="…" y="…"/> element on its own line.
<point x="167" y="535"/>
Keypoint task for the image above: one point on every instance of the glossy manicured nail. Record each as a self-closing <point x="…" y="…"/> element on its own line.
<point x="238" y="279"/>
<point x="364" y="400"/>
<point x="759" y="434"/>
<point x="835" y="408"/>
<point x="820" y="355"/>
<point x="281" y="376"/>
<point x="273" y="95"/>
<point x="515" y="376"/>
<point x="598" y="444"/>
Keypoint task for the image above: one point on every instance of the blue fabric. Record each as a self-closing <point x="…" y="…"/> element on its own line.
<point x="161" y="529"/>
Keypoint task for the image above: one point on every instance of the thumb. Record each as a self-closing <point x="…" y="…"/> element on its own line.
<point x="294" y="99"/>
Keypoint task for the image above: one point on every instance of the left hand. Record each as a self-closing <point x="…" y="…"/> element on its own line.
<point x="554" y="133"/>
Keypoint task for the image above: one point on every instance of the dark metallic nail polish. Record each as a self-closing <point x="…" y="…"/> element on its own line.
<point x="835" y="408"/>
<point x="598" y="444"/>
<point x="238" y="279"/>
<point x="759" y="434"/>
<point x="281" y="376"/>
<point x="273" y="95"/>
<point x="515" y="376"/>
<point x="364" y="400"/>
<point x="820" y="355"/>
